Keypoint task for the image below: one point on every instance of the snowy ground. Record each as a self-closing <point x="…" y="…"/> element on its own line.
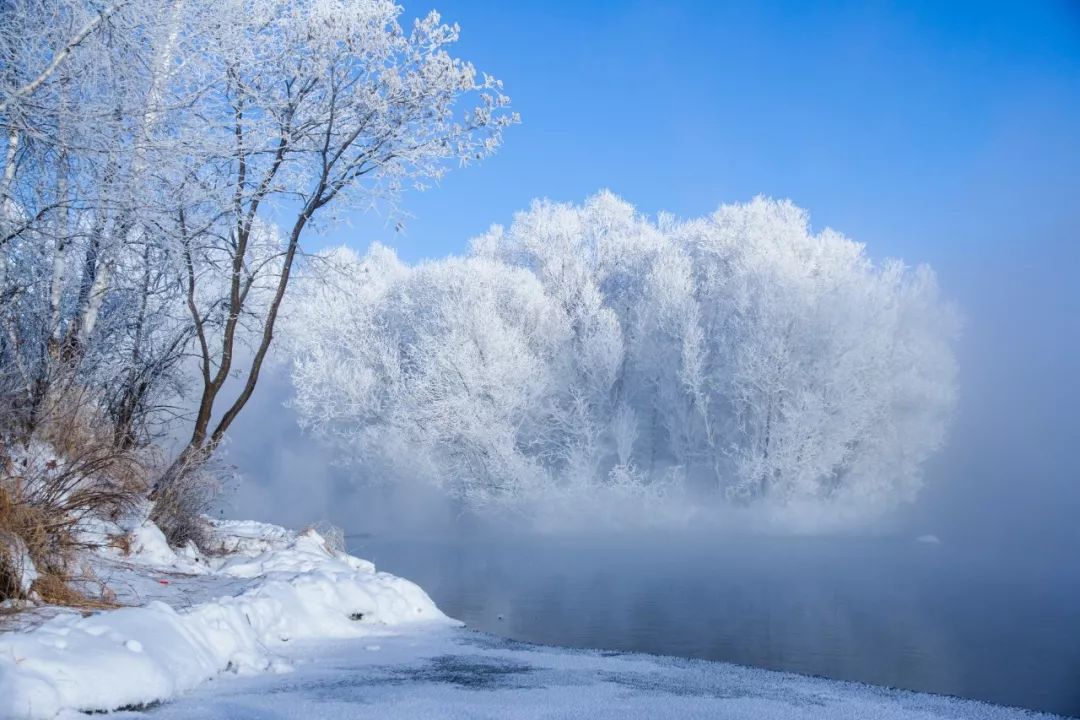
<point x="284" y="626"/>
<point x="464" y="674"/>
<point x="192" y="618"/>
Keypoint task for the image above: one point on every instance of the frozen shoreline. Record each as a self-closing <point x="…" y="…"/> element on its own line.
<point x="453" y="673"/>
<point x="197" y="617"/>
<point x="285" y="626"/>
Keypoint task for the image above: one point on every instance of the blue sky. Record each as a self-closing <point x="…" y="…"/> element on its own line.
<point x="930" y="131"/>
<point x="942" y="132"/>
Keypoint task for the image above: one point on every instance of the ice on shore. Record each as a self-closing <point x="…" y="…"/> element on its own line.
<point x="273" y="588"/>
<point x="455" y="673"/>
<point x="290" y="628"/>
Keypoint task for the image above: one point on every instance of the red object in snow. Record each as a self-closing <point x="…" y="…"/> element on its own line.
<point x="163" y="582"/>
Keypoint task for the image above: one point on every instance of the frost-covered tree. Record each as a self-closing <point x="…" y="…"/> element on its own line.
<point x="740" y="354"/>
<point x="163" y="161"/>
<point x="439" y="366"/>
<point x="323" y="103"/>
<point x="78" y="108"/>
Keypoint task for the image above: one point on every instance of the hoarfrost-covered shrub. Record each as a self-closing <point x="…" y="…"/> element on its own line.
<point x="589" y="348"/>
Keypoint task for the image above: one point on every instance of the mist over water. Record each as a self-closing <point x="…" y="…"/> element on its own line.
<point x="877" y="610"/>
<point x="1006" y="481"/>
<point x="989" y="613"/>
<point x="983" y="615"/>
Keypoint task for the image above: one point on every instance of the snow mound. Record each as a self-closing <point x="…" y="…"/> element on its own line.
<point x="132" y="656"/>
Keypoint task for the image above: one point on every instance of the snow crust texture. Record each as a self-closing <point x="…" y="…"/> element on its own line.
<point x="463" y="675"/>
<point x="279" y="587"/>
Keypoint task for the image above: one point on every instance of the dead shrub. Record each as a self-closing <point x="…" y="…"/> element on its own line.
<point x="69" y="420"/>
<point x="182" y="502"/>
<point x="75" y="427"/>
<point x="46" y="497"/>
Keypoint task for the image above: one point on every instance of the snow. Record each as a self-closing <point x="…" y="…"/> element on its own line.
<point x="149" y="543"/>
<point x="293" y="588"/>
<point x="283" y="626"/>
<point x="455" y="673"/>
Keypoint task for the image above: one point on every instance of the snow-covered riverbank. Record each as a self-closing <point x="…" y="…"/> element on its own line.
<point x="286" y="626"/>
<point x="197" y="617"/>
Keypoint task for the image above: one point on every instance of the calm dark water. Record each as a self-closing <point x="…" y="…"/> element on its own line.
<point x="888" y="612"/>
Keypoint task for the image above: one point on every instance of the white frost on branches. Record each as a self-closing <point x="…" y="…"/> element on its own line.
<point x="162" y="161"/>
<point x="588" y="347"/>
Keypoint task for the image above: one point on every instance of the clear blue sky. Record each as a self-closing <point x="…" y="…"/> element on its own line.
<point x="945" y="132"/>
<point x="928" y="130"/>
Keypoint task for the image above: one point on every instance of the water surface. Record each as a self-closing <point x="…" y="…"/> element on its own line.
<point x="888" y="612"/>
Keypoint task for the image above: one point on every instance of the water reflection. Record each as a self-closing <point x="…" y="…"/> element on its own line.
<point x="886" y="612"/>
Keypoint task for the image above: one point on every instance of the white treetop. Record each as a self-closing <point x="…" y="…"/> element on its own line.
<point x="738" y="354"/>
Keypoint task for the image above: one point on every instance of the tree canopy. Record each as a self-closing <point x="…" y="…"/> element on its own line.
<point x="584" y="347"/>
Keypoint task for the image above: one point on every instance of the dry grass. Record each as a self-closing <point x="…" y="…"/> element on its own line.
<point x="121" y="543"/>
<point x="23" y="529"/>
<point x="76" y="428"/>
<point x="50" y="483"/>
<point x="67" y="591"/>
<point x="64" y="469"/>
<point x="181" y="504"/>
